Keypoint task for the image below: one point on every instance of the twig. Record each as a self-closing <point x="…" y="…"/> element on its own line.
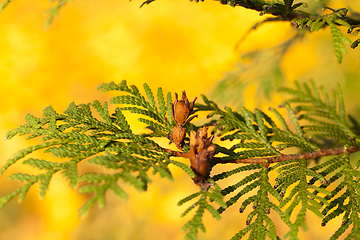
<point x="279" y="158"/>
<point x="284" y="157"/>
<point x="177" y="153"/>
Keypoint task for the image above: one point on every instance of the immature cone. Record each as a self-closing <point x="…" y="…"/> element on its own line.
<point x="181" y="110"/>
<point x="200" y="139"/>
<point x="200" y="154"/>
<point x="178" y="136"/>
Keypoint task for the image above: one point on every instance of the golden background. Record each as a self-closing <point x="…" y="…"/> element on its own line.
<point x="173" y="44"/>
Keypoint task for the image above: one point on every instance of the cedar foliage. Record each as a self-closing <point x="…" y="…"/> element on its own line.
<point x="330" y="189"/>
<point x="318" y="126"/>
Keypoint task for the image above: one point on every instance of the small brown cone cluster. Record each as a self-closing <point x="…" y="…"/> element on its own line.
<point x="200" y="154"/>
<point x="201" y="148"/>
<point x="181" y="109"/>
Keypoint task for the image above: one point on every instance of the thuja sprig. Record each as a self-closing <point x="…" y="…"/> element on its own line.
<point x="334" y="20"/>
<point x="203" y="203"/>
<point x="77" y="135"/>
<point x="344" y="198"/>
<point x="295" y="173"/>
<point x="259" y="140"/>
<point x="328" y="116"/>
<point x="259" y="224"/>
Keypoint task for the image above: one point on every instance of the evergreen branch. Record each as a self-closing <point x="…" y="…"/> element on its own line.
<point x="108" y="141"/>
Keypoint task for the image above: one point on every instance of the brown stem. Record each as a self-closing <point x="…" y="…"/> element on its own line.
<point x="279" y="158"/>
<point x="284" y="157"/>
<point x="177" y="153"/>
<point x="287" y="16"/>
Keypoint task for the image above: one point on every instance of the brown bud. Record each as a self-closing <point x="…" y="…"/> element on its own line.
<point x="178" y="136"/>
<point x="199" y="140"/>
<point x="200" y="154"/>
<point x="201" y="164"/>
<point x="181" y="109"/>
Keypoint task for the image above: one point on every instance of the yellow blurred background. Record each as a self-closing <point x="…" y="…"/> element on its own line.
<point x="173" y="44"/>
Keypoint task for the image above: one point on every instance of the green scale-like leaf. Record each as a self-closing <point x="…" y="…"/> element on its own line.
<point x="213" y="194"/>
<point x="337" y="205"/>
<point x="259" y="223"/>
<point x="333" y="122"/>
<point x="338" y="41"/>
<point x="184" y="167"/>
<point x="302" y="193"/>
<point x="148" y="108"/>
